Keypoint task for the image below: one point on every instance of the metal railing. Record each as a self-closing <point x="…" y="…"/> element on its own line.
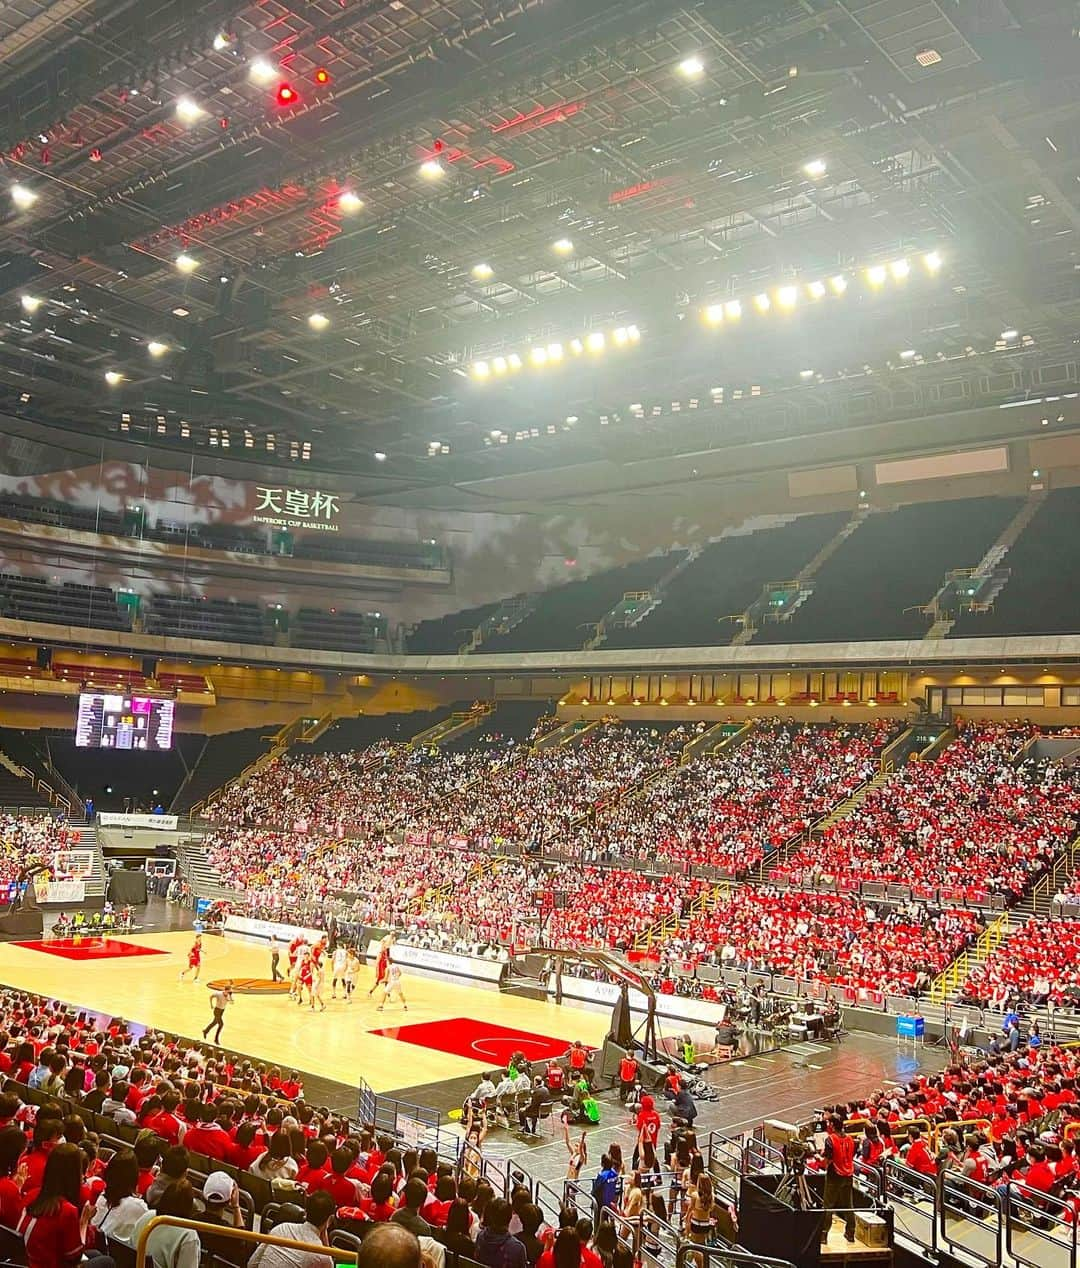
<point x="338" y="1254"/>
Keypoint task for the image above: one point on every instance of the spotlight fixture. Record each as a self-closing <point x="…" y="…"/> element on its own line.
<point x="481" y="369"/>
<point x="23" y="197"/>
<point x="876" y="274"/>
<point x="349" y="202"/>
<point x="762" y="302"/>
<point x="635" y="333"/>
<point x="318" y="321"/>
<point x="908" y="354"/>
<point x="513" y="361"/>
<point x="538" y="357"/>
<point x="379" y="456"/>
<point x="787" y="296"/>
<point x="932" y="261"/>
<point x="732" y="311"/>
<point x="322" y="76"/>
<point x="577" y="347"/>
<point x="815" y="169"/>
<point x="1009" y="335"/>
<point x="692" y="67"/>
<point x="806" y="374"/>
<point x="595" y="341"/>
<point x="186" y="263"/>
<point x="112" y="377"/>
<point x="181" y="312"/>
<point x="562" y="246"/>
<point x="30" y="303"/>
<point x="482" y="271"/>
<point x="432" y="170"/>
<point x="498" y="364"/>
<point x="223" y="40"/>
<point x="287" y="95"/>
<point x="188" y="111"/>
<point x="899" y="269"/>
<point x="156" y="348"/>
<point x="838" y="284"/>
<point x="714" y="314"/>
<point x="816" y="290"/>
<point x="554" y="352"/>
<point x="261" y="71"/>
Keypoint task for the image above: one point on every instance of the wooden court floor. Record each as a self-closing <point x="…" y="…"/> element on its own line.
<point x="338" y="1044"/>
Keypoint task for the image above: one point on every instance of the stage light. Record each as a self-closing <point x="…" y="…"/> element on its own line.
<point x="188" y="111"/>
<point x="538" y="356"/>
<point x="156" y="348"/>
<point x="838" y="284"/>
<point x="1010" y="334"/>
<point x="513" y="361"/>
<point x="732" y="310"/>
<point x="262" y="71"/>
<point x="806" y="374"/>
<point x="22" y="197"/>
<point x="714" y="314"/>
<point x="762" y="302"/>
<point x="595" y="341"/>
<point x="112" y="377"/>
<point x="30" y="303"/>
<point x="287" y="95"/>
<point x="634" y="333"/>
<point x="908" y="354"/>
<point x="787" y="296"/>
<point x="186" y="263"/>
<point x="554" y="352"/>
<point x="691" y="67"/>
<point x="181" y="312"/>
<point x="432" y="170"/>
<point x="816" y="290"/>
<point x="318" y="321"/>
<point x="899" y="269"/>
<point x="619" y="336"/>
<point x="379" y="456"/>
<point x="349" y="202"/>
<point x="482" y="271"/>
<point x="577" y="347"/>
<point x="481" y="369"/>
<point x="498" y="364"/>
<point x="562" y="246"/>
<point x="222" y="41"/>
<point x="322" y="75"/>
<point x="876" y="274"/>
<point x="815" y="169"/>
<point x="932" y="261"/>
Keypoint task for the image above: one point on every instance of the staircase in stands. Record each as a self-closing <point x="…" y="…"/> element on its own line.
<point x="202" y="876"/>
<point x="656" y="597"/>
<point x="986" y="566"/>
<point x="802" y="582"/>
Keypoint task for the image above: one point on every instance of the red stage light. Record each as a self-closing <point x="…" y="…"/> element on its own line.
<point x="95" y="155"/>
<point x="287" y="95"/>
<point x="322" y="75"/>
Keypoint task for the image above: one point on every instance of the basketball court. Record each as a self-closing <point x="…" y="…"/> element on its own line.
<point x="444" y="1034"/>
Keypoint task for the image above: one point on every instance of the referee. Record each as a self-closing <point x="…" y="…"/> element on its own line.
<point x="218" y="1000"/>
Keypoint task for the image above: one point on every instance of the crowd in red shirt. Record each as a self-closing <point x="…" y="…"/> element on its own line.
<point x="1038" y="964"/>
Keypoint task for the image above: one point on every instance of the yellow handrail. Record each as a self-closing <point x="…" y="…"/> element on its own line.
<point x="988" y="941"/>
<point x="240" y="1234"/>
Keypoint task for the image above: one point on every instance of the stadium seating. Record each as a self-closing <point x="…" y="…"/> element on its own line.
<point x="221" y="620"/>
<point x="724" y="580"/>
<point x="34" y="599"/>
<point x="1038" y="963"/>
<point x="874" y="584"/>
<point x="1042" y="594"/>
<point x="564" y="618"/>
<point x="969" y="826"/>
<point x="445" y="635"/>
<point x="336" y="630"/>
<point x="223" y="757"/>
<point x="730" y="810"/>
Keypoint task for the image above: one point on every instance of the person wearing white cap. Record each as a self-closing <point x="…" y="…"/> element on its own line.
<point x="221" y="1203"/>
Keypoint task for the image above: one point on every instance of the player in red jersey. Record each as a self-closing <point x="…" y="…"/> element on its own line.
<point x="382" y="964"/>
<point x="194" y="959"/>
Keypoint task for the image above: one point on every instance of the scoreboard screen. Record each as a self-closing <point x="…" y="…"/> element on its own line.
<point x="140" y="723"/>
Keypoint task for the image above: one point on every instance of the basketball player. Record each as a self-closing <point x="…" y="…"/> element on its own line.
<point x="296" y="968"/>
<point x="393" y="988"/>
<point x="352" y="972"/>
<point x="194" y="959"/>
<point x="294" y="954"/>
<point x="305" y="971"/>
<point x="318" y="981"/>
<point x="339" y="971"/>
<point x="382" y="964"/>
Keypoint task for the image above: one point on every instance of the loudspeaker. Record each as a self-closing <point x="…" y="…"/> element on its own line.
<point x="149" y="666"/>
<point x="44" y="657"/>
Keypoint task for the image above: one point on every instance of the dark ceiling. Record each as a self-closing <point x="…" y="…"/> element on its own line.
<point x="541" y="121"/>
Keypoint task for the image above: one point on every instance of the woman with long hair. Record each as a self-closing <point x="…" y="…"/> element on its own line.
<point x="54" y="1226"/>
<point x="705" y="1218"/>
<point x="12" y="1175"/>
<point x="276" y="1162"/>
<point x="119" y="1208"/>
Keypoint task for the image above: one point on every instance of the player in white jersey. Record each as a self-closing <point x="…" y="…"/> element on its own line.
<point x="339" y="971"/>
<point x="394" y="988"/>
<point x="352" y="972"/>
